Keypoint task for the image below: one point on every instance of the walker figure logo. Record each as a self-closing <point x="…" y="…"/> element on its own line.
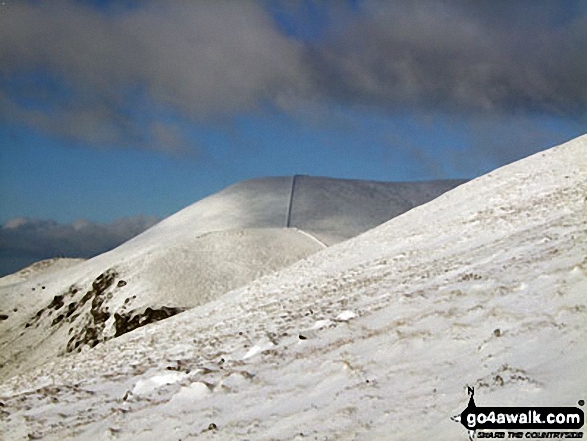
<point x="509" y="418"/>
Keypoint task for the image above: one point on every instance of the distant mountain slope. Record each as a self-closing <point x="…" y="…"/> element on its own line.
<point x="336" y="208"/>
<point x="38" y="268"/>
<point x="207" y="249"/>
<point x="375" y="338"/>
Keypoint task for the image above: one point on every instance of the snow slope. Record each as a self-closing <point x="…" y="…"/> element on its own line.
<point x="215" y="245"/>
<point x="334" y="210"/>
<point x="341" y="208"/>
<point x="78" y="306"/>
<point x="373" y="338"/>
<point x="38" y="268"/>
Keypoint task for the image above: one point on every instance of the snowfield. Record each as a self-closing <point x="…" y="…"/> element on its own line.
<point x="37" y="269"/>
<point x="375" y="338"/>
<point x="220" y="243"/>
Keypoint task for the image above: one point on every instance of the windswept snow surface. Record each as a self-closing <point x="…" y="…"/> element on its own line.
<point x="375" y="338"/>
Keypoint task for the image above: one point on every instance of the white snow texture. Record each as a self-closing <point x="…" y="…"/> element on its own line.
<point x="375" y="338"/>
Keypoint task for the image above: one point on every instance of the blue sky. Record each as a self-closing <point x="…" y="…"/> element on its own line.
<point x="112" y="110"/>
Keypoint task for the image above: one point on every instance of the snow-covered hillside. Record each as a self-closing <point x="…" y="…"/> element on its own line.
<point x="337" y="209"/>
<point x="37" y="269"/>
<point x="373" y="338"/>
<point x="207" y="249"/>
<point x="334" y="210"/>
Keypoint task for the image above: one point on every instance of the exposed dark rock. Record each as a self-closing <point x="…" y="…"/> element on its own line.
<point x="71" y="309"/>
<point x="3" y="316"/>
<point x="86" y="297"/>
<point x="56" y="303"/>
<point x="104" y="281"/>
<point x="91" y="322"/>
<point x="57" y="319"/>
<point x="73" y="317"/>
<point x="126" y="322"/>
<point x="91" y="333"/>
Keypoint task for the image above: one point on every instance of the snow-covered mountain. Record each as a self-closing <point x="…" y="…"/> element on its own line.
<point x="330" y="209"/>
<point x="42" y="267"/>
<point x="373" y="338"/>
<point x="211" y="247"/>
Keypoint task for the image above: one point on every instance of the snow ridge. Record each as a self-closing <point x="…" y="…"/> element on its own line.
<point x="374" y="338"/>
